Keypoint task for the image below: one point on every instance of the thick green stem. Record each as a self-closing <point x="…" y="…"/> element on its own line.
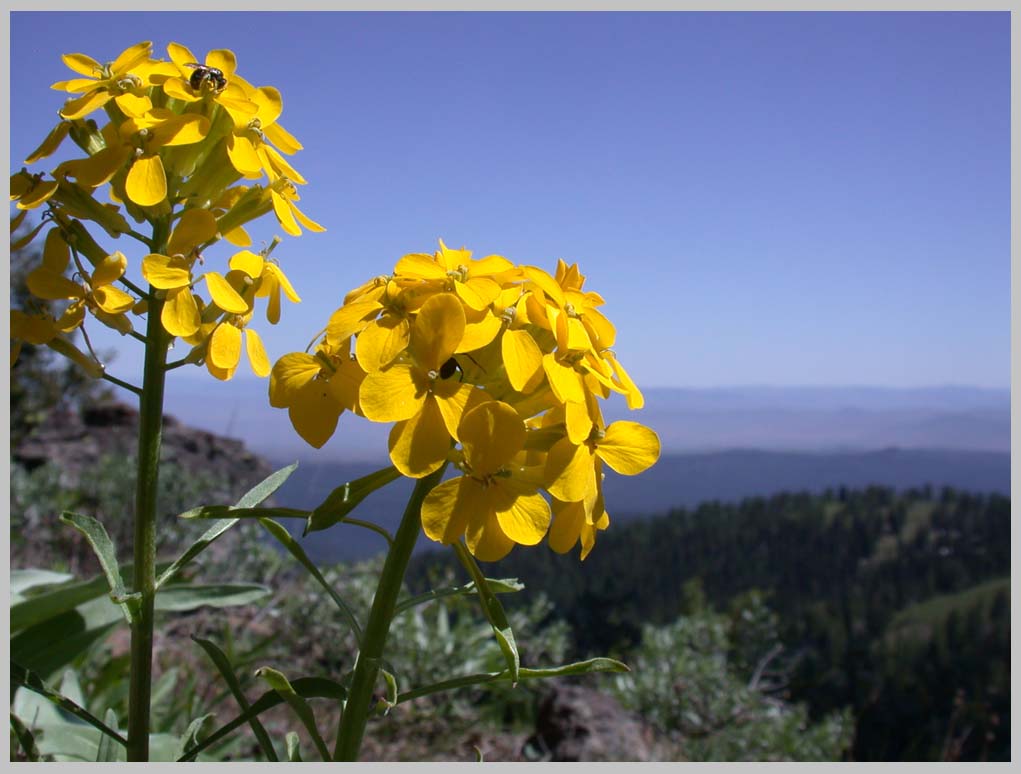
<point x="149" y="436"/>
<point x="359" y="700"/>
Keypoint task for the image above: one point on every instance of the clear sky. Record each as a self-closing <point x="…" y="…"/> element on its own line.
<point x="762" y="198"/>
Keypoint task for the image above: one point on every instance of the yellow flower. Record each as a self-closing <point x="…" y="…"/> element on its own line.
<point x="495" y="504"/>
<point x="283" y="195"/>
<point x="474" y="281"/>
<point x="419" y="393"/>
<point x="627" y="447"/>
<point x="125" y="80"/>
<point x="137" y="143"/>
<point x="316" y="389"/>
<point x="213" y="80"/>
<point x="224" y="349"/>
<point x="266" y="278"/>
<point x="94" y="291"/>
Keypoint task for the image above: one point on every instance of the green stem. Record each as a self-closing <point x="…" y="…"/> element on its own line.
<point x="359" y="698"/>
<point x="150" y="428"/>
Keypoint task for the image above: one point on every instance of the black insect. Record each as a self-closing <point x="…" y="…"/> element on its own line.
<point x="449" y="368"/>
<point x="204" y="73"/>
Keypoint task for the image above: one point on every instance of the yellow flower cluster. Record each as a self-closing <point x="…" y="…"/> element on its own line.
<point x="495" y="367"/>
<point x="180" y="138"/>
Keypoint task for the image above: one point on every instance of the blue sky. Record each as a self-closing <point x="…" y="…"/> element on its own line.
<point x="761" y="198"/>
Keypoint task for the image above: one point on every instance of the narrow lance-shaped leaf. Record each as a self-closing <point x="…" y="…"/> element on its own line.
<point x="577" y="668"/>
<point x="282" y="536"/>
<point x="106" y="751"/>
<point x="280" y="684"/>
<point x="342" y="500"/>
<point x="32" y="681"/>
<point x="293" y="747"/>
<point x="496" y="585"/>
<point x="192" y="596"/>
<point x="253" y="497"/>
<point x="229" y="511"/>
<point x="494" y="612"/>
<point x="103" y="547"/>
<point x="306" y="687"/>
<point x="222" y="664"/>
<point x="25" y="738"/>
<point x="51" y="603"/>
<point x="194" y="733"/>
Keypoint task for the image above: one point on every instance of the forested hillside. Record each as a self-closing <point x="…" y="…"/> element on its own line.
<point x="896" y="605"/>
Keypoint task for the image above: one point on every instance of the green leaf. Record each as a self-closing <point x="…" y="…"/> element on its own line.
<point x="577" y="668"/>
<point x="284" y="538"/>
<point x="105" y="551"/>
<point x="52" y="644"/>
<point x="389" y="701"/>
<point x="280" y="684"/>
<point x="266" y="487"/>
<point x="496" y="585"/>
<point x="23" y="580"/>
<point x="229" y="511"/>
<point x="306" y="687"/>
<point x="192" y="596"/>
<point x="107" y="751"/>
<point x="197" y="729"/>
<point x="31" y="681"/>
<point x="293" y="747"/>
<point x="25" y="738"/>
<point x="342" y="500"/>
<point x="222" y="664"/>
<point x="250" y="499"/>
<point x="39" y="607"/>
<point x="494" y="612"/>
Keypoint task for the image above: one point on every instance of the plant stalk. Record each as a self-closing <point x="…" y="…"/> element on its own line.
<point x="359" y="700"/>
<point x="150" y="430"/>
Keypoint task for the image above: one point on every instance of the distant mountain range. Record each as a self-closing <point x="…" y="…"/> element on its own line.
<point x="687" y="419"/>
<point x="677" y="480"/>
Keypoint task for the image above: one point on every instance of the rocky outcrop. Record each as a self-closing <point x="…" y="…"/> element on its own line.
<point x="576" y="723"/>
<point x="74" y="441"/>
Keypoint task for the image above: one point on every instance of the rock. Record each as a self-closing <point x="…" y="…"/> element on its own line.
<point x="74" y="442"/>
<point x="576" y="723"/>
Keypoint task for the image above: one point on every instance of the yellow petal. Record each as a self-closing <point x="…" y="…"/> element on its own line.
<point x="224" y="296"/>
<point x="256" y="353"/>
<point x="420" y="266"/>
<point x="113" y="301"/>
<point x="486" y="540"/>
<point x="524" y="517"/>
<point x="566" y="383"/>
<point x="351" y="319"/>
<point x="578" y="421"/>
<point x="628" y="447"/>
<point x="479" y="334"/>
<point x="314" y="413"/>
<point x="491" y="433"/>
<point x="282" y="208"/>
<point x="178" y="88"/>
<point x="195" y="227"/>
<point x="420" y="445"/>
<point x="571" y="471"/>
<point x="56" y="253"/>
<point x="146" y="184"/>
<point x="448" y="507"/>
<point x="50" y="285"/>
<point x="568" y="520"/>
<point x="243" y="156"/>
<point x="438" y="329"/>
<point x="222" y="59"/>
<point x="31" y="328"/>
<point x="523" y="360"/>
<point x="82" y="64"/>
<point x="271" y="159"/>
<point x="283" y="139"/>
<point x="225" y="346"/>
<point x="181" y="56"/>
<point x="248" y="262"/>
<point x="38" y="195"/>
<point x="546" y="283"/>
<point x="600" y="329"/>
<point x="180" y="314"/>
<point x="238" y="237"/>
<point x="82" y="106"/>
<point x="306" y="221"/>
<point x="51" y="143"/>
<point x="165" y="272"/>
<point x="635" y="399"/>
<point x="110" y="269"/>
<point x="133" y="105"/>
<point x="454" y="399"/>
<point x="181" y="130"/>
<point x="345" y="383"/>
<point x="131" y="56"/>
<point x="392" y="395"/>
<point x="382" y="341"/>
<point x="289" y="375"/>
<point x="285" y="283"/>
